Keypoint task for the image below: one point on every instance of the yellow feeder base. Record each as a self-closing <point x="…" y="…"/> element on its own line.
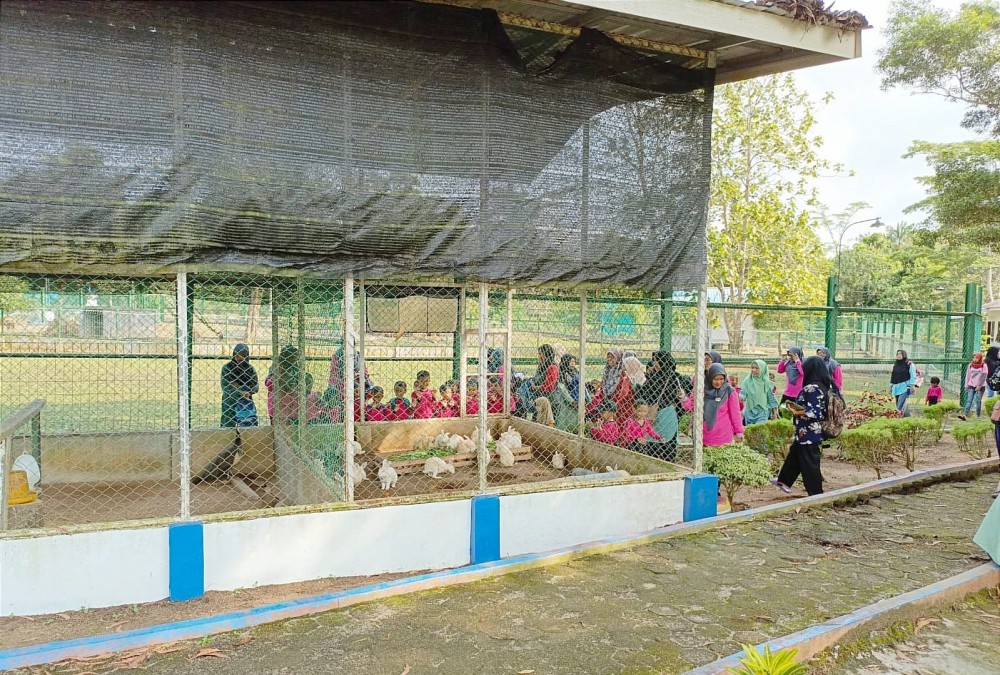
<point x="19" y="492"/>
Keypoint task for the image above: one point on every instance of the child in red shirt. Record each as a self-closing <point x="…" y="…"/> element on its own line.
<point x="399" y="407"/>
<point x="734" y="382"/>
<point x="608" y="431"/>
<point x="448" y="405"/>
<point x="424" y="404"/>
<point x="472" y="398"/>
<point x="376" y="411"/>
<point x="934" y="392"/>
<point x="638" y="430"/>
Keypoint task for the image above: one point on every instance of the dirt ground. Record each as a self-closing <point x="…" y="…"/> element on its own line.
<point x="839" y="474"/>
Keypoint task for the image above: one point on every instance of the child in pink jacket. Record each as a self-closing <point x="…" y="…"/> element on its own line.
<point x="608" y="431"/>
<point x="723" y="420"/>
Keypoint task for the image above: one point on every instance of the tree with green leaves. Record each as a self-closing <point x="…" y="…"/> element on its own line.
<point x="951" y="54"/>
<point x="955" y="55"/>
<point x="762" y="244"/>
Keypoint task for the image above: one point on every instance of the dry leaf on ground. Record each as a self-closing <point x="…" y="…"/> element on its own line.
<point x="209" y="652"/>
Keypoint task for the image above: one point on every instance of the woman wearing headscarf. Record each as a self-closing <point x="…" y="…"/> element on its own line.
<point x="664" y="389"/>
<point x="239" y="383"/>
<point x="836" y="372"/>
<point x="902" y="380"/>
<point x="992" y="365"/>
<point x="791" y="366"/>
<point x="710" y="358"/>
<point x="723" y="422"/>
<point x="494" y="362"/>
<point x="804" y="455"/>
<point x="283" y="386"/>
<point x="616" y="387"/>
<point x="544" y="381"/>
<point x="756" y="392"/>
<point x="565" y="396"/>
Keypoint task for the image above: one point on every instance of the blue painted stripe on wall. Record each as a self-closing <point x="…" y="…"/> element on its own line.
<point x="700" y="497"/>
<point x="485" y="529"/>
<point x="187" y="560"/>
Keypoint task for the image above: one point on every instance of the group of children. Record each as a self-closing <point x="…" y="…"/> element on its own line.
<point x="426" y="403"/>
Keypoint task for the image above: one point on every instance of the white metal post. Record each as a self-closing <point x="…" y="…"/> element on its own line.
<point x="363" y="316"/>
<point x="349" y="386"/>
<point x="463" y="356"/>
<point x="508" y="348"/>
<point x="183" y="394"/>
<point x="483" y="428"/>
<point x="581" y="365"/>
<point x="698" y="414"/>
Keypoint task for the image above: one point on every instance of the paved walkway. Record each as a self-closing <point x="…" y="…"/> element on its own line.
<point x="660" y="608"/>
<point x="961" y="641"/>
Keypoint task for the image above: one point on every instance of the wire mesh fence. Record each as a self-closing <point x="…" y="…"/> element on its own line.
<point x="456" y="388"/>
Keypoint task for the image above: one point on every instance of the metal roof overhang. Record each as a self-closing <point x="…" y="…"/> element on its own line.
<point x="742" y="39"/>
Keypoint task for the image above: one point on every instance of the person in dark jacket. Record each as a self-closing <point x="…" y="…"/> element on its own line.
<point x="239" y="383"/>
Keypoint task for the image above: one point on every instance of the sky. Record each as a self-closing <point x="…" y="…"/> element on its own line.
<point x="869" y="130"/>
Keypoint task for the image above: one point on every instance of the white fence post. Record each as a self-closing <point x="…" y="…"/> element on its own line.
<point x="349" y="384"/>
<point x="484" y="309"/>
<point x="698" y="414"/>
<point x="581" y="367"/>
<point x="183" y="395"/>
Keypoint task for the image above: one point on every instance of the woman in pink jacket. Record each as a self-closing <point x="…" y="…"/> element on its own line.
<point x="723" y="420"/>
<point x="791" y="366"/>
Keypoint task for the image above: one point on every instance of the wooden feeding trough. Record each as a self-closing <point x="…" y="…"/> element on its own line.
<point x="459" y="460"/>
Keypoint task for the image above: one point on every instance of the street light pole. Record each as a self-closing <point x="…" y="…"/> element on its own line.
<point x="875" y="223"/>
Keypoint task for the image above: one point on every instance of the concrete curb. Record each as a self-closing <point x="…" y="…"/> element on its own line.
<point x="196" y="628"/>
<point x="822" y="636"/>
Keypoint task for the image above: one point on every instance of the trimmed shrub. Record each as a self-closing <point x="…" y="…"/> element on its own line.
<point x="868" y="447"/>
<point x="908" y="434"/>
<point x="975" y="438"/>
<point x="771" y="439"/>
<point x="737" y="465"/>
<point x="940" y="413"/>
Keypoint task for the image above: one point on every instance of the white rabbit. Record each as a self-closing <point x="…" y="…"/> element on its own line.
<point x="466" y="445"/>
<point x="442" y="440"/>
<point x="559" y="461"/>
<point x="475" y="436"/>
<point x="505" y="454"/>
<point x="621" y="473"/>
<point x="359" y="473"/>
<point x="387" y="475"/>
<point x="512" y="438"/>
<point x="454" y="441"/>
<point x="435" y="466"/>
<point x="354" y="446"/>
<point x="423" y="443"/>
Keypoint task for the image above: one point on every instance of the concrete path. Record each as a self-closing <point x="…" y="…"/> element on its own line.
<point x="660" y="608"/>
<point x="965" y="640"/>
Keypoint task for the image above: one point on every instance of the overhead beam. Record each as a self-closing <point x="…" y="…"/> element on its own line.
<point x="714" y="16"/>
<point x="777" y="64"/>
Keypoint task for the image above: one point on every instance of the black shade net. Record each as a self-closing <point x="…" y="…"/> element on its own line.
<point x="384" y="139"/>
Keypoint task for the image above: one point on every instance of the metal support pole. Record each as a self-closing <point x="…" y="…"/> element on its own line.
<point x="581" y="404"/>
<point x="300" y="326"/>
<point x="363" y="316"/>
<point x="667" y="320"/>
<point x="36" y="439"/>
<point x="463" y="357"/>
<point x="483" y="451"/>
<point x="349" y="386"/>
<point x="459" y="339"/>
<point x="507" y="358"/>
<point x="947" y="340"/>
<point x="183" y="395"/>
<point x="830" y="334"/>
<point x="698" y="414"/>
